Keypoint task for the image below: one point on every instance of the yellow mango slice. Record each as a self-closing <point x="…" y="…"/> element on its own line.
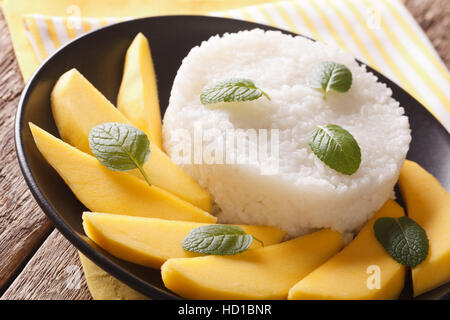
<point x="150" y="242"/>
<point x="78" y="106"/>
<point x="264" y="273"/>
<point x="361" y="271"/>
<point x="428" y="203"/>
<point x="102" y="189"/>
<point x="138" y="94"/>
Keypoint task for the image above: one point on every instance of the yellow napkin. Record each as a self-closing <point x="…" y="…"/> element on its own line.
<point x="379" y="32"/>
<point x="104" y="286"/>
<point x="14" y="10"/>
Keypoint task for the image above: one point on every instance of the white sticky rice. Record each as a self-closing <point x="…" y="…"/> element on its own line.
<point x="303" y="194"/>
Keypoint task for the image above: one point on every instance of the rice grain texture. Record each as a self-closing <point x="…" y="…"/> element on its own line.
<point x="303" y="194"/>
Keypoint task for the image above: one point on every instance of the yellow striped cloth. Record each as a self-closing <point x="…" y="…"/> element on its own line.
<point x="46" y="34"/>
<point x="381" y="33"/>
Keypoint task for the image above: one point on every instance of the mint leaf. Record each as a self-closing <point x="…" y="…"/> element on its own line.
<point x="330" y="76"/>
<point x="231" y="90"/>
<point x="120" y="147"/>
<point x="403" y="239"/>
<point x="337" y="148"/>
<point x="217" y="239"/>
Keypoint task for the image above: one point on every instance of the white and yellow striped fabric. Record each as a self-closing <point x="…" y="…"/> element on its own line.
<point x="46" y="34"/>
<point x="381" y="33"/>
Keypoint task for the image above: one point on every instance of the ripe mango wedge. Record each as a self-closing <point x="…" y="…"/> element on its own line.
<point x="264" y="273"/>
<point x="102" y="189"/>
<point x="150" y="242"/>
<point x="78" y="106"/>
<point x="138" y="94"/>
<point x="361" y="271"/>
<point x="428" y="203"/>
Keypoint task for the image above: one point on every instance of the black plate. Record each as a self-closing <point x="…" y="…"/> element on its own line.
<point x="99" y="56"/>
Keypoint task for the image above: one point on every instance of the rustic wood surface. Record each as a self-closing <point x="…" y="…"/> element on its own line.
<point x="36" y="262"/>
<point x="53" y="273"/>
<point x="23" y="227"/>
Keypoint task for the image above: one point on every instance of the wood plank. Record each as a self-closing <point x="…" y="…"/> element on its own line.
<point x="54" y="273"/>
<point x="23" y="227"/>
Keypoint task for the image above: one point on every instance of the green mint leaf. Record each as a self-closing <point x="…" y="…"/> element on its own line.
<point x="231" y="90"/>
<point x="403" y="239"/>
<point x="120" y="147"/>
<point x="337" y="148"/>
<point x="330" y="76"/>
<point x="217" y="239"/>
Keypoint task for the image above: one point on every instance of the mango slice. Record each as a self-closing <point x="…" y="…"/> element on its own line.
<point x="78" y="107"/>
<point x="138" y="94"/>
<point x="102" y="189"/>
<point x="150" y="242"/>
<point x="264" y="273"/>
<point x="361" y="271"/>
<point x="428" y="203"/>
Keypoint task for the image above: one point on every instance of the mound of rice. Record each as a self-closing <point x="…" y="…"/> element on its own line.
<point x="303" y="194"/>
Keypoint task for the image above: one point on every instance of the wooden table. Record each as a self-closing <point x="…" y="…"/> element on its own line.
<point x="36" y="261"/>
